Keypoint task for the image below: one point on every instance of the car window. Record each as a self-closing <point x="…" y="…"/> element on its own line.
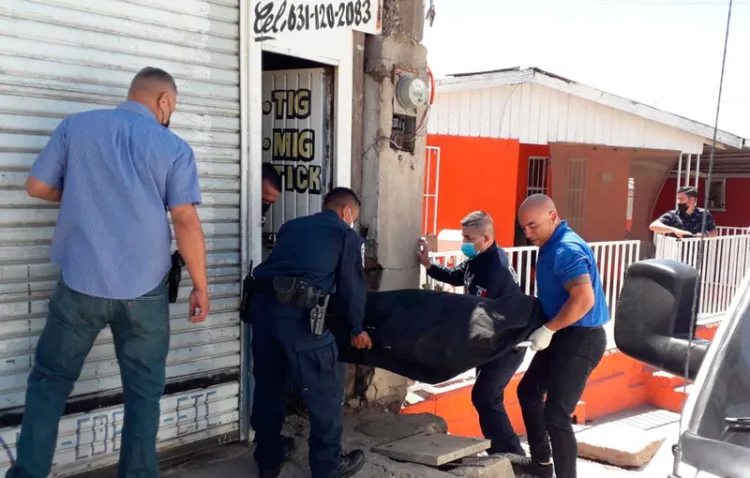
<point x="728" y="394"/>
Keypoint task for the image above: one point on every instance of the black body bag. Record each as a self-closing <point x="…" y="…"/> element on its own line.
<point x="433" y="336"/>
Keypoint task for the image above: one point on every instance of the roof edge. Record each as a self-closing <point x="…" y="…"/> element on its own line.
<point x="484" y="80"/>
<point x="637" y="108"/>
<point x="511" y="76"/>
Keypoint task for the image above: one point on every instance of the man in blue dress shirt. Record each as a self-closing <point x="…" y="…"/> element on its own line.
<point x="116" y="173"/>
<point x="568" y="347"/>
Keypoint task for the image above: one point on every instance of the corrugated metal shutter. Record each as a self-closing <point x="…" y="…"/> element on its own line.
<point x="59" y="57"/>
<point x="297" y="125"/>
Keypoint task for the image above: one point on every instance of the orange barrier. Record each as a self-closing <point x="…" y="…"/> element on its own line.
<point x="619" y="383"/>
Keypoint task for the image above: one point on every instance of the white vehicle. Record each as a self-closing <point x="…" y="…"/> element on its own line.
<point x="715" y="428"/>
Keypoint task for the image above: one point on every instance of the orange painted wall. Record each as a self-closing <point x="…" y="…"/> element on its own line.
<point x="619" y="383"/>
<point x="737" y="197"/>
<point x="477" y="173"/>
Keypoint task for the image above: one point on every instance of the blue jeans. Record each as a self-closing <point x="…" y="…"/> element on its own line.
<point x="140" y="328"/>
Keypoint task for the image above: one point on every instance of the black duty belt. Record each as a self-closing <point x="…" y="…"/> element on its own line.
<point x="290" y="291"/>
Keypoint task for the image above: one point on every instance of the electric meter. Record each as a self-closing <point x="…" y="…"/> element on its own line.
<point x="412" y="92"/>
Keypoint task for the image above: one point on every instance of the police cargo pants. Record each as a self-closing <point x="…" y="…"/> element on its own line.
<point x="281" y="343"/>
<point x="140" y="329"/>
<point x="488" y="397"/>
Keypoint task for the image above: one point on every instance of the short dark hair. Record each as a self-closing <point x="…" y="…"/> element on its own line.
<point x="151" y="74"/>
<point x="689" y="191"/>
<point x="480" y="220"/>
<point x="271" y="175"/>
<point x="340" y="197"/>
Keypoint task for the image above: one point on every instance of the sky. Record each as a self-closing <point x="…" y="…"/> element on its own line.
<point x="665" y="53"/>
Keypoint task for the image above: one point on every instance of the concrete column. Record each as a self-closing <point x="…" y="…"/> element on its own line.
<point x="392" y="179"/>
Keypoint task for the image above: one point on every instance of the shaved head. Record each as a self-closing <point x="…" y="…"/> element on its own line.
<point x="538" y="217"/>
<point x="157" y="90"/>
<point x="537" y="202"/>
<point x="154" y="80"/>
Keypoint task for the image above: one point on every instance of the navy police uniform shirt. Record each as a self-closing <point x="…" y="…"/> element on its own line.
<point x="487" y="275"/>
<point x="325" y="252"/>
<point x="564" y="257"/>
<point x="692" y="223"/>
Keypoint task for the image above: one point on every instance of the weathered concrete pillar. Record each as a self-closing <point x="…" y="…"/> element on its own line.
<point x="392" y="179"/>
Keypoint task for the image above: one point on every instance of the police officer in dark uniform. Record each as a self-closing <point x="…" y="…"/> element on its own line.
<point x="486" y="273"/>
<point x="313" y="255"/>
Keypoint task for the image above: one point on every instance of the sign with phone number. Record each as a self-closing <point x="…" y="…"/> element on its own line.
<point x="271" y="18"/>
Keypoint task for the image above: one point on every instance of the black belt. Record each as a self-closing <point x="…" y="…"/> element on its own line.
<point x="262" y="287"/>
<point x="290" y="291"/>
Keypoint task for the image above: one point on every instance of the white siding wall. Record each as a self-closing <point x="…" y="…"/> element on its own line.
<point x="536" y="114"/>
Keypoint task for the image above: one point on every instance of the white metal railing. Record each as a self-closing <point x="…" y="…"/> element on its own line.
<point x="732" y="231"/>
<point x="726" y="261"/>
<point x="431" y="189"/>
<point x="613" y="259"/>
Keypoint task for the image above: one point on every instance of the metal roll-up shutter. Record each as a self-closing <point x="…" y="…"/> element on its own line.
<point x="297" y="134"/>
<point x="59" y="57"/>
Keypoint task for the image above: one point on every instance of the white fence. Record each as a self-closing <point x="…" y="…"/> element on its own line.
<point x="732" y="231"/>
<point x="726" y="261"/>
<point x="613" y="259"/>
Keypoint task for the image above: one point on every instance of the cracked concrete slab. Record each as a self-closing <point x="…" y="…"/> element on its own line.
<point x="629" y="440"/>
<point x="486" y="467"/>
<point x="364" y="430"/>
<point x="433" y="449"/>
<point x="620" y="445"/>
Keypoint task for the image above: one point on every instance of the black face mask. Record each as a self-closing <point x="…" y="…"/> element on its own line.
<point x="266" y="207"/>
<point x="682" y="208"/>
<point x="166" y="123"/>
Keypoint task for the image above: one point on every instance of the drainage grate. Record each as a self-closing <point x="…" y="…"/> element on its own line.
<point x="650" y="419"/>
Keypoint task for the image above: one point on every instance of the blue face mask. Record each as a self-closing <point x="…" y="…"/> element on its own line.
<point x="469" y="250"/>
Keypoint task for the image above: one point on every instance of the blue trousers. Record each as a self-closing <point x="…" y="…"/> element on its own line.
<point x="282" y="345"/>
<point x="488" y="397"/>
<point x="140" y="328"/>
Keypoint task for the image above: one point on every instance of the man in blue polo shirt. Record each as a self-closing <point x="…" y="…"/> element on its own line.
<point x="116" y="174"/>
<point x="568" y="347"/>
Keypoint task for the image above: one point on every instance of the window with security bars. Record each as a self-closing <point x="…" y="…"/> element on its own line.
<point x="537" y="178"/>
<point x="631" y="199"/>
<point x="576" y="193"/>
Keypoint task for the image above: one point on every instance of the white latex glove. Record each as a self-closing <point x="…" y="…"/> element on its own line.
<point x="541" y="338"/>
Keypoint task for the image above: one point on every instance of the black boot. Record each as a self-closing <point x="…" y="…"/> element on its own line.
<point x="351" y="463"/>
<point x="523" y="465"/>
<point x="289" y="447"/>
